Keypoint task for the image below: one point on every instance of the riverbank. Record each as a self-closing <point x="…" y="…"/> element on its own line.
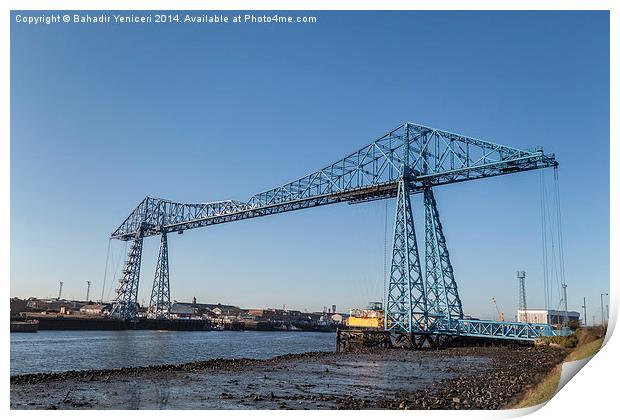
<point x="453" y="378"/>
<point x="55" y="322"/>
<point x="587" y="342"/>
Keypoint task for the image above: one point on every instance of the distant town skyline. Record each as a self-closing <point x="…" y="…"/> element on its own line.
<point x="104" y="115"/>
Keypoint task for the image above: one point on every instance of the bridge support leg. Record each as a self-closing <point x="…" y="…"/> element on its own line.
<point x="405" y="308"/>
<point x="444" y="304"/>
<point x="126" y="303"/>
<point x="159" y="307"/>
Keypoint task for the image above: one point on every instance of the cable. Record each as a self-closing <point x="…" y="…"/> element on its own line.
<point x="118" y="263"/>
<point x="544" y="240"/>
<point x="559" y="221"/>
<point x="560" y="241"/>
<point x="554" y="270"/>
<point x="105" y="273"/>
<point x="553" y="258"/>
<point x="385" y="252"/>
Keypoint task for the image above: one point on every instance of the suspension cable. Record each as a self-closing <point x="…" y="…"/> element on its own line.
<point x="551" y="254"/>
<point x="552" y="223"/>
<point x="553" y="247"/>
<point x="105" y="273"/>
<point x="559" y="221"/>
<point x="117" y="266"/>
<point x="560" y="241"/>
<point x="385" y="251"/>
<point x="544" y="240"/>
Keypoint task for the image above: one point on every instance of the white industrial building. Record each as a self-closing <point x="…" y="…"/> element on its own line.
<point x="545" y="316"/>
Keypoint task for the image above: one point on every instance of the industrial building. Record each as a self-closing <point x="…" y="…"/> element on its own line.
<point x="546" y="316"/>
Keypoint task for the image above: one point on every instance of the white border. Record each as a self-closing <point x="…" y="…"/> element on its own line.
<point x="589" y="395"/>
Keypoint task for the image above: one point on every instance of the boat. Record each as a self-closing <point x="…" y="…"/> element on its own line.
<point x="371" y="317"/>
<point x="31" y="326"/>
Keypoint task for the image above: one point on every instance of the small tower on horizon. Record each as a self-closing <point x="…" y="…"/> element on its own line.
<point x="522" y="299"/>
<point x="60" y="290"/>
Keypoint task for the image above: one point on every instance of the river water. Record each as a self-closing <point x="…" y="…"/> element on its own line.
<point x="56" y="351"/>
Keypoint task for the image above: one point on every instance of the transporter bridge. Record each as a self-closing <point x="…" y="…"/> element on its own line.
<point x="410" y="159"/>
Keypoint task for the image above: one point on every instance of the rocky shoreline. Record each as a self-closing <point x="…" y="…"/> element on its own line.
<point x="452" y="378"/>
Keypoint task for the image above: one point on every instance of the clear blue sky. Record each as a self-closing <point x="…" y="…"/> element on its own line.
<point x="104" y="115"/>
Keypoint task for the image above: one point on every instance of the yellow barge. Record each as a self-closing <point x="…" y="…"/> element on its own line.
<point x="371" y="317"/>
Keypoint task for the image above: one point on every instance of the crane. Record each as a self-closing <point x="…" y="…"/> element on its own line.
<point x="499" y="313"/>
<point x="409" y="159"/>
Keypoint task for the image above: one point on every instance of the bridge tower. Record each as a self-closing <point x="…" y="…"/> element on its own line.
<point x="126" y="303"/>
<point x="406" y="298"/>
<point x="444" y="302"/>
<point x="415" y="303"/>
<point x="405" y="308"/>
<point x="160" y="295"/>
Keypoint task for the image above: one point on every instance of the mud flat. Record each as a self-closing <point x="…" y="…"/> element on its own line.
<point x="454" y="378"/>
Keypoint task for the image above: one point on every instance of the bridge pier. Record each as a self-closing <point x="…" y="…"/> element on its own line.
<point x="352" y="340"/>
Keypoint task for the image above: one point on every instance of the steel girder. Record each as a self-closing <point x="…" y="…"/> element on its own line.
<point x="503" y="330"/>
<point x="125" y="305"/>
<point x="159" y="306"/>
<point x="437" y="157"/>
<point x="444" y="304"/>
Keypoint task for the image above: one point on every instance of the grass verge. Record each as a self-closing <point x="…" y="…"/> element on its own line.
<point x="587" y="350"/>
<point x="544" y="391"/>
<point x="585" y="344"/>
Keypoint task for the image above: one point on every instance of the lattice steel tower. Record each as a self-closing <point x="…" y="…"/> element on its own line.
<point x="405" y="308"/>
<point x="441" y="288"/>
<point x="414" y="303"/>
<point x="160" y="295"/>
<point x="126" y="303"/>
<point x="522" y="300"/>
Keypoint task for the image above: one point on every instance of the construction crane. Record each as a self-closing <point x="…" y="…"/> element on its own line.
<point x="500" y="314"/>
<point x="410" y="159"/>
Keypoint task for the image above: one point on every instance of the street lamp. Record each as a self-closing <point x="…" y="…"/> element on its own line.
<point x="603" y="309"/>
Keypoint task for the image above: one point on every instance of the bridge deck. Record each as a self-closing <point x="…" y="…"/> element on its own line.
<point x="520" y="331"/>
<point x="462" y="332"/>
<point x="503" y="330"/>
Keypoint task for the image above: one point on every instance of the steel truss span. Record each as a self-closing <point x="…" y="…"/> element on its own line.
<point x="409" y="159"/>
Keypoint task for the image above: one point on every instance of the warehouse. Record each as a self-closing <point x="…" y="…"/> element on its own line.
<point x="546" y="316"/>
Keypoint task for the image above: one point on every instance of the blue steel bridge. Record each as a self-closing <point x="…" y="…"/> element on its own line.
<point x="410" y="159"/>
